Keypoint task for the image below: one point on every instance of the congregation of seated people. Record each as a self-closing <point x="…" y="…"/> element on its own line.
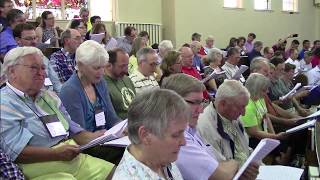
<point x="61" y="90"/>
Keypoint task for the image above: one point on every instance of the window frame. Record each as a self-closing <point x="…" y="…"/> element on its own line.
<point x="295" y="6"/>
<point x="268" y="8"/>
<point x="239" y="4"/>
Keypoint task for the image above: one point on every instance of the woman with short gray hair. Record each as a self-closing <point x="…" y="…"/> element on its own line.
<point x="156" y="123"/>
<point x="85" y="94"/>
<point x="256" y="119"/>
<point x="214" y="58"/>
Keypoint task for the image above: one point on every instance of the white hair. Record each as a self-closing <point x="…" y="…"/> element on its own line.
<point x="213" y="54"/>
<point x="231" y="89"/>
<point x="210" y="37"/>
<point x="15" y="56"/>
<point x="90" y="52"/>
<point x="165" y="45"/>
<point x="257" y="63"/>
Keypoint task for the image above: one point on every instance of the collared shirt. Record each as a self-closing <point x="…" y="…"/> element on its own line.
<point x="304" y="67"/>
<point x="294" y="62"/>
<point x="254" y="116"/>
<point x="52" y="75"/>
<point x="7" y="41"/>
<point x="197" y="63"/>
<point x="231" y="71"/>
<point x="130" y="168"/>
<point x="191" y="71"/>
<point x="125" y="44"/>
<point x="20" y="123"/>
<point x="277" y="89"/>
<point x="314" y="76"/>
<point x="63" y="63"/>
<point x="210" y="131"/>
<point x="8" y="169"/>
<point x="249" y="46"/>
<point x="196" y="160"/>
<point x="142" y="83"/>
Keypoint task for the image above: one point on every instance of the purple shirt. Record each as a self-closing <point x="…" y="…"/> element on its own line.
<point x="195" y="159"/>
<point x="249" y="46"/>
<point x="7" y="41"/>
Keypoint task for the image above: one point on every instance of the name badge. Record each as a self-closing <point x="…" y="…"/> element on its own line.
<point x="198" y="68"/>
<point x="53" y="125"/>
<point x="265" y="123"/>
<point x="100" y="117"/>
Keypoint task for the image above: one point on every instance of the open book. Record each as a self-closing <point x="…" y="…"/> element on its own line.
<point x="97" y="37"/>
<point x="262" y="150"/>
<point x="312" y="116"/>
<point x="213" y="75"/>
<point x="121" y="142"/>
<point x="240" y="71"/>
<point x="113" y="133"/>
<point x="292" y="92"/>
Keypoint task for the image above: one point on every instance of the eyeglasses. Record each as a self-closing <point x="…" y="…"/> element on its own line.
<point x="197" y="102"/>
<point x="30" y="38"/>
<point x="50" y="18"/>
<point x="34" y="68"/>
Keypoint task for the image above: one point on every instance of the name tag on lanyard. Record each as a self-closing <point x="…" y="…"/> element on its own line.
<point x="99" y="117"/>
<point x="53" y="125"/>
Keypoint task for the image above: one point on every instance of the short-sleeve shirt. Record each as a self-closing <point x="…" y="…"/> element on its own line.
<point x="130" y="168"/>
<point x="20" y="123"/>
<point x="255" y="110"/>
<point x="142" y="83"/>
<point x="195" y="160"/>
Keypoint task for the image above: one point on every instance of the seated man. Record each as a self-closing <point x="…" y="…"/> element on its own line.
<point x="220" y="125"/>
<point x="231" y="65"/>
<point x="120" y="86"/>
<point x="35" y="127"/>
<point x="196" y="159"/>
<point x="143" y="78"/>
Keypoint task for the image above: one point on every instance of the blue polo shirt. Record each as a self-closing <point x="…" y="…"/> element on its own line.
<point x="7" y="41"/>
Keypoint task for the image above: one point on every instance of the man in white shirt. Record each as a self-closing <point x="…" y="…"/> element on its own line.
<point x="293" y="59"/>
<point x="305" y="63"/>
<point x="143" y="78"/>
<point x="314" y="76"/>
<point x="233" y="58"/>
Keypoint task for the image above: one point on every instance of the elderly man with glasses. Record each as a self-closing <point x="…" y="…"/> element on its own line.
<point x="143" y="78"/>
<point x="36" y="130"/>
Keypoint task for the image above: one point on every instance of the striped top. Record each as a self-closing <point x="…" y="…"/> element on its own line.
<point x="142" y="83"/>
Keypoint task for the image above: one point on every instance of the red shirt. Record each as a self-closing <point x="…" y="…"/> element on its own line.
<point x="193" y="72"/>
<point x="315" y="61"/>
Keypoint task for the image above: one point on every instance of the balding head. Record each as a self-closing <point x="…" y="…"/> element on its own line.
<point x="195" y="46"/>
<point x="187" y="56"/>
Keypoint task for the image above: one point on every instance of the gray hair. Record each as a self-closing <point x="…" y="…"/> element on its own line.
<point x="165" y="45"/>
<point x="91" y="53"/>
<point x="256" y="83"/>
<point x="257" y="63"/>
<point x="65" y="35"/>
<point x="213" y="54"/>
<point x="230" y="89"/>
<point x="15" y="56"/>
<point x="142" y="53"/>
<point x="183" y="84"/>
<point x="257" y="44"/>
<point x="155" y="110"/>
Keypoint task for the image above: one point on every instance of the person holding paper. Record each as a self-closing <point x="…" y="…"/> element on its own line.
<point x="36" y="130"/>
<point x="220" y="125"/>
<point x="215" y="57"/>
<point x="197" y="160"/>
<point x="231" y="64"/>
<point x="107" y="41"/>
<point x="156" y="134"/>
<point x="46" y="31"/>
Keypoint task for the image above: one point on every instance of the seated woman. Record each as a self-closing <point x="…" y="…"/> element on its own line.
<point x="156" y="134"/>
<point x="46" y="30"/>
<point x="108" y="41"/>
<point x="215" y="57"/>
<point x="137" y="44"/>
<point x="36" y="131"/>
<point x="78" y="25"/>
<point x="171" y="64"/>
<point x="85" y="94"/>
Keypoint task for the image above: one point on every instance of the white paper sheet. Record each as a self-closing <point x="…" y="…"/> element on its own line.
<point x="47" y="82"/>
<point x="213" y="75"/>
<point x="241" y="70"/>
<point x="121" y="142"/>
<point x="279" y="173"/>
<point x="97" y="37"/>
<point x="302" y="126"/>
<point x="48" y="41"/>
<point x="262" y="150"/>
<point x="292" y="92"/>
<point x="113" y="133"/>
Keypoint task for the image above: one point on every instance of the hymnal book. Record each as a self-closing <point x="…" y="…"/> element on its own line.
<point x="240" y="71"/>
<point x="113" y="133"/>
<point x="261" y="151"/>
<point x="121" y="142"/>
<point x="302" y="126"/>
